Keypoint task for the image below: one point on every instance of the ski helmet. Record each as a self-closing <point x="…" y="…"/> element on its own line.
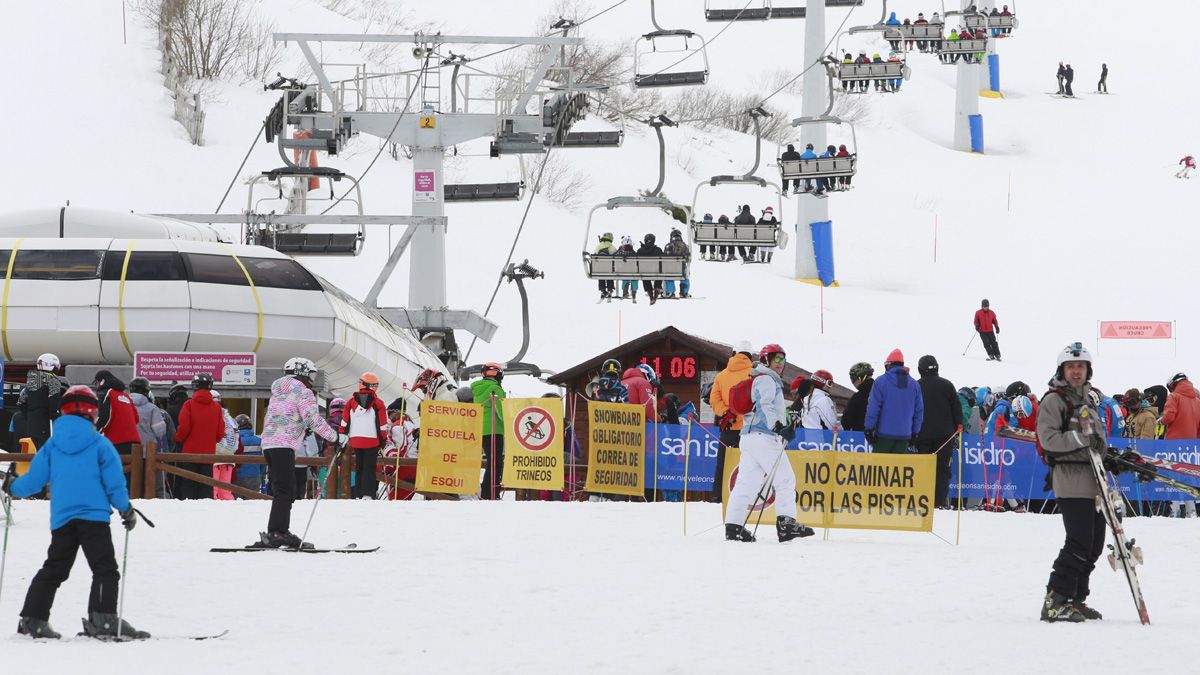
<point x="823" y="379"/>
<point x="860" y="371"/>
<point x="649" y="238"/>
<point x="610" y="367"/>
<point x="202" y="381"/>
<point x="985" y="304"/>
<point x="1094" y="398"/>
<point x="626" y="240"/>
<point x="337" y="404"/>
<point x="769" y="210"/>
<point x="983" y="396"/>
<point x="48" y="362"/>
<point x="80" y="400"/>
<point x="648" y="371"/>
<point x="607" y="236"/>
<point x="968" y="395"/>
<point x="1174" y="381"/>
<point x="243" y="422"/>
<point x="676" y="234"/>
<point x="764" y="354"/>
<point x="368" y="380"/>
<point x="1074" y="352"/>
<point x="492" y="370"/>
<point x="1017" y="388"/>
<point x="140" y="385"/>
<point x="300" y="367"/>
<point x="1022" y="407"/>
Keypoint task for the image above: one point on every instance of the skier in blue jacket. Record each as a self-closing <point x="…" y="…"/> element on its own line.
<point x="895" y="409"/>
<point x="808" y="154"/>
<point x="83" y="470"/>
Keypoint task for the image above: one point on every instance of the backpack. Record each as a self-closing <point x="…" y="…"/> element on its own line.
<point x="740" y="400"/>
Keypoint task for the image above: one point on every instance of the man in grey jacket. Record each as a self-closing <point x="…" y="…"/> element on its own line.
<point x="1069" y="428"/>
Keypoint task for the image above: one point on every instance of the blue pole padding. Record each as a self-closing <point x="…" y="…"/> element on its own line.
<point x="976" y="122"/>
<point x="994" y="72"/>
<point x="822" y="237"/>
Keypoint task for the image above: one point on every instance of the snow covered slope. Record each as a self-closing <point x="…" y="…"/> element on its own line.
<point x="1093" y="227"/>
<point x="508" y="587"/>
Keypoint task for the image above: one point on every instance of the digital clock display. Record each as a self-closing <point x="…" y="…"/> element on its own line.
<point x="673" y="366"/>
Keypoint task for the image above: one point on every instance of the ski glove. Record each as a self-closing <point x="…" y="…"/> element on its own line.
<point x="787" y="433"/>
<point x="870" y="436"/>
<point x="341" y="440"/>
<point x="9" y="477"/>
<point x="1098" y="444"/>
<point x="129" y="518"/>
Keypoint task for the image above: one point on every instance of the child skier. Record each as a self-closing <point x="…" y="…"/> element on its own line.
<point x="84" y="471"/>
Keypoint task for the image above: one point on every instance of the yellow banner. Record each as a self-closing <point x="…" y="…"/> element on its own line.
<point x="533" y="443"/>
<point x="616" y="448"/>
<point x="853" y="490"/>
<point x="451" y="453"/>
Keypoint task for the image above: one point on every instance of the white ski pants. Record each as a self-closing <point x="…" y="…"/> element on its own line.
<point x="759" y="454"/>
<point x="1185" y="172"/>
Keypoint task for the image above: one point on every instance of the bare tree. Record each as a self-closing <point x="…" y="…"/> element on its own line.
<point x="215" y="38"/>
<point x="559" y="182"/>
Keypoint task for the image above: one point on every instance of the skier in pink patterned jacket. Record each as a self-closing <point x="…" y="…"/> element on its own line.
<point x="292" y="411"/>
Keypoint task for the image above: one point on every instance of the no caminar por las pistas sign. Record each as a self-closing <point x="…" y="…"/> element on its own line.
<point x="854" y="490"/>
<point x="616" y="448"/>
<point x="533" y="443"/>
<point x="451" y="455"/>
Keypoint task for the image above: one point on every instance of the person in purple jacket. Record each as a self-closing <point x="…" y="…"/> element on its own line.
<point x="895" y="410"/>
<point x="292" y="411"/>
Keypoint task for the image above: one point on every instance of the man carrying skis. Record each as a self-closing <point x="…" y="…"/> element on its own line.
<point x="83" y="470"/>
<point x="1068" y="429"/>
<point x="988" y="327"/>
<point x="764" y="436"/>
<point x="291" y="411"/>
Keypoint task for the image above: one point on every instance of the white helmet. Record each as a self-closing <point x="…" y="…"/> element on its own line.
<point x="1074" y="352"/>
<point x="300" y="367"/>
<point x="48" y="362"/>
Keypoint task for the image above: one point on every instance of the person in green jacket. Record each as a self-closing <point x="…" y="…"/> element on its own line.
<point x="488" y="392"/>
<point x="608" y="287"/>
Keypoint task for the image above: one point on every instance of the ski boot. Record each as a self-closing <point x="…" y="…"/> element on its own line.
<point x="104" y="627"/>
<point x="635" y="298"/>
<point x="1087" y="612"/>
<point x="1058" y="607"/>
<point x="36" y="629"/>
<point x="734" y="532"/>
<point x="788" y="529"/>
<point x="277" y="539"/>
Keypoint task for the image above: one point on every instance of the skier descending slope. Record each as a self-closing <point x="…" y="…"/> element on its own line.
<point x="764" y="436"/>
<point x="292" y="411"/>
<point x="1066" y="442"/>
<point x="84" y="470"/>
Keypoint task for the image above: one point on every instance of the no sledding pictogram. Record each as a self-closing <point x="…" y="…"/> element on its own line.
<point x="535" y="429"/>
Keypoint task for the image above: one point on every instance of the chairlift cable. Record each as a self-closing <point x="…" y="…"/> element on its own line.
<point x="253" y="142"/>
<point x="403" y="111"/>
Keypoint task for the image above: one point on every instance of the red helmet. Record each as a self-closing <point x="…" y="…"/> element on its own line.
<point x="764" y="354"/>
<point x="823" y="379"/>
<point x="81" y="400"/>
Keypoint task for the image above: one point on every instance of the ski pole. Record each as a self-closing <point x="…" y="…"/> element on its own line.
<point x="324" y="488"/>
<point x="4" y="550"/>
<point x="969" y="343"/>
<point x="124" y="567"/>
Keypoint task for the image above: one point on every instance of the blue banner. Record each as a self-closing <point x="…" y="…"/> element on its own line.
<point x="1002" y="468"/>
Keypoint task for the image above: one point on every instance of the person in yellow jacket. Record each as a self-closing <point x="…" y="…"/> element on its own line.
<point x="737" y="369"/>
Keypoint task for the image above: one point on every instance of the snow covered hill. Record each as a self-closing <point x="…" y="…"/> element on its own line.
<point x="1093" y="226"/>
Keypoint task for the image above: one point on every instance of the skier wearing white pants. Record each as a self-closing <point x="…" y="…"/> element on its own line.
<point x="764" y="435"/>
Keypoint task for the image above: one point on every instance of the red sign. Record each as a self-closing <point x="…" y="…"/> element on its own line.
<point x="225" y="367"/>
<point x="1136" y="330"/>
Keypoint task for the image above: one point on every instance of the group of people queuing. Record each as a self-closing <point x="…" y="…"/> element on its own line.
<point x="823" y="184"/>
<point x="654" y="289"/>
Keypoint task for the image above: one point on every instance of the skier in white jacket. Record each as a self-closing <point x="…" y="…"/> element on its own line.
<point x="818" y="410"/>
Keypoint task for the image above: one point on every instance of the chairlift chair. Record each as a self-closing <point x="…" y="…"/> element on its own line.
<point x="742" y="11"/>
<point x="970" y="49"/>
<point x="652" y="43"/>
<point x="631" y="266"/>
<point x="740" y="234"/>
<point x="560" y="136"/>
<point x="823" y="167"/>
<point x="881" y="71"/>
<point x="296" y="241"/>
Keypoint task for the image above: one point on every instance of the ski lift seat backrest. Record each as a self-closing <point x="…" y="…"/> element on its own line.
<point x="843" y="3"/>
<point x="1001" y="22"/>
<point x="921" y="31"/>
<point x="725" y="234"/>
<point x="975" y="21"/>
<point x="672" y="79"/>
<point x="740" y="13"/>
<point x="820" y="167"/>
<point x="964" y="46"/>
<point x="482" y="192"/>
<point x="593" y="139"/>
<point x="644" y="267"/>
<point x="882" y="70"/>
<point x="789" y="12"/>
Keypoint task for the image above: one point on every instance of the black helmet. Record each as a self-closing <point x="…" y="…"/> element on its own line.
<point x="202" y="381"/>
<point x="140" y="385"/>
<point x="243" y="422"/>
<point x="985" y="303"/>
<point x="968" y="395"/>
<point x="610" y="367"/>
<point x="860" y="371"/>
<point x="1016" y="389"/>
<point x="649" y="239"/>
<point x="177" y="392"/>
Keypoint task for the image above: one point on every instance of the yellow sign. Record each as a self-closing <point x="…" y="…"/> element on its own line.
<point x="451" y="453"/>
<point x="533" y="449"/>
<point x="616" y="448"/>
<point x="853" y="490"/>
<point x="428" y="122"/>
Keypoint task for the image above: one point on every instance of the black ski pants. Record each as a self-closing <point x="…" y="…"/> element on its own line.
<point x="96" y="541"/>
<point x="1085" y="542"/>
<point x="607" y="286"/>
<point x="190" y="489"/>
<point x="990" y="344"/>
<point x="493" y="461"/>
<point x="730" y="438"/>
<point x="941" y="485"/>
<point x="366" y="482"/>
<point x="281" y="462"/>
